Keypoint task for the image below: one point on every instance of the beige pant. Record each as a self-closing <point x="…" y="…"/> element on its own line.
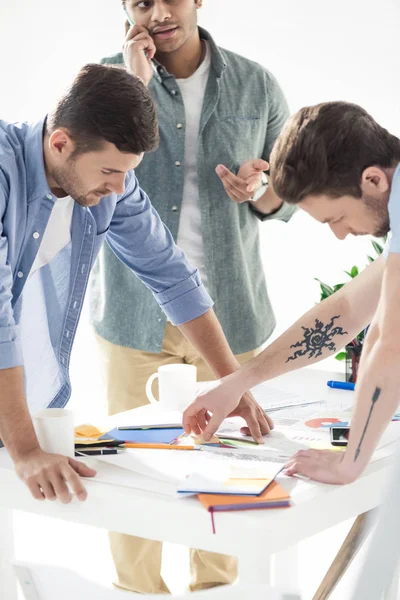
<point x="137" y="560"/>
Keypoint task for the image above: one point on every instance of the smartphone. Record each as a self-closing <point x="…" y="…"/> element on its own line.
<point x="340" y="435"/>
<point x="131" y="23"/>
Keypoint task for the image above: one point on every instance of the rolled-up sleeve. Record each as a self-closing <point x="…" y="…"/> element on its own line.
<point x="141" y="240"/>
<point x="10" y="347"/>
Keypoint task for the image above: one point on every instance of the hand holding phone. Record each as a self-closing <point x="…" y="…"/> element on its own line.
<point x="139" y="49"/>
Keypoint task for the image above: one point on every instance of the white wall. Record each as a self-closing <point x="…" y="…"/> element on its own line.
<point x="347" y="49"/>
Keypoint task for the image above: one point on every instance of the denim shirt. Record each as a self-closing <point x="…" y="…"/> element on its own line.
<point x="132" y="229"/>
<point x="242" y="115"/>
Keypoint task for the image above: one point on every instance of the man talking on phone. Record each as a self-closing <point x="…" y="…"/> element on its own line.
<point x="219" y="115"/>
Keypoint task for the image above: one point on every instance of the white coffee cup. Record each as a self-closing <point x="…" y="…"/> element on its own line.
<point x="54" y="428"/>
<point x="177" y="386"/>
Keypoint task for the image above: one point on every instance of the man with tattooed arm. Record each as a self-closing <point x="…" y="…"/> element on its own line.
<point x="336" y="163"/>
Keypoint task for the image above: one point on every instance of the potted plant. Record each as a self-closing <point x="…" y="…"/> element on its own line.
<point x="352" y="352"/>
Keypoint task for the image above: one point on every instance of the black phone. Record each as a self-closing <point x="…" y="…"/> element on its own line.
<point x="340" y="435"/>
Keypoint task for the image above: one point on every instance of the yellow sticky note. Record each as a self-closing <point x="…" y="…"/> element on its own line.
<point x="87" y="431"/>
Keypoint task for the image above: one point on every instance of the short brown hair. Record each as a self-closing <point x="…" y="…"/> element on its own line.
<point x="105" y="103"/>
<point x="324" y="149"/>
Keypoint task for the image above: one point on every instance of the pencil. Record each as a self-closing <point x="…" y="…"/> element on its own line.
<point x="157" y="446"/>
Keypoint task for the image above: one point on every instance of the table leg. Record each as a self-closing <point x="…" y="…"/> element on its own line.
<point x="254" y="569"/>
<point x="348" y="550"/>
<point x="8" y="578"/>
<point x="286" y="568"/>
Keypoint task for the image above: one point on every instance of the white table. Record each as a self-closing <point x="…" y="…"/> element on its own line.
<point x="253" y="536"/>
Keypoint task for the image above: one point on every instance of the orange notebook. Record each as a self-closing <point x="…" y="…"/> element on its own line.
<point x="273" y="497"/>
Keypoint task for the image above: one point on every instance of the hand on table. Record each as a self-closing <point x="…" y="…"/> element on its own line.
<point x="326" y="466"/>
<point x="47" y="475"/>
<point x="206" y="413"/>
<point x="241" y="187"/>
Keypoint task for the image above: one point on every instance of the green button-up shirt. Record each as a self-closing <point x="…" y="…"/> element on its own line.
<point x="243" y="112"/>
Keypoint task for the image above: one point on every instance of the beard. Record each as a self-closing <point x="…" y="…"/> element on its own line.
<point x="380" y="213"/>
<point x="68" y="181"/>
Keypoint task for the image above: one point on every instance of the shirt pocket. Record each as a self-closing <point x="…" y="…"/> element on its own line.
<point x="240" y="137"/>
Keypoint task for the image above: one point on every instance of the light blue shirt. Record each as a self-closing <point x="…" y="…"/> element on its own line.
<point x="133" y="230"/>
<point x="394" y="213"/>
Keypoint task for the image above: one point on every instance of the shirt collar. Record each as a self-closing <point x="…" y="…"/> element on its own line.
<point x="35" y="169"/>
<point x="217" y="59"/>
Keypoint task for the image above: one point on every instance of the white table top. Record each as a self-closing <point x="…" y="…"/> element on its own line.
<point x="315" y="506"/>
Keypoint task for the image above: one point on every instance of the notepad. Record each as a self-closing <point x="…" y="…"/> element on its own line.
<point x="274" y="496"/>
<point x="234" y="479"/>
<point x="144" y="436"/>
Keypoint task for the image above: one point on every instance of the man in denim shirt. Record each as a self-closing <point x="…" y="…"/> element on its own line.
<point x="220" y="111"/>
<point x="66" y="184"/>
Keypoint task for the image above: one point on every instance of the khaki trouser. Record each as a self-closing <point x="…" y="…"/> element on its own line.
<point x="137" y="560"/>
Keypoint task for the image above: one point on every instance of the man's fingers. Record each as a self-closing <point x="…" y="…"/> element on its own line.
<point x="189" y="419"/>
<point x="212" y="426"/>
<point x="82" y="469"/>
<point x="253" y="183"/>
<point x="260" y="164"/>
<point x="254" y="427"/>
<point x="35" y="489"/>
<point x="71" y="476"/>
<point x="270" y="422"/>
<point x="60" y="487"/>
<point x="47" y="489"/>
<point x="134" y="31"/>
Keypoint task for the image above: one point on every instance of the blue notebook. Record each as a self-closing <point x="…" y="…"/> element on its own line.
<point x="144" y="436"/>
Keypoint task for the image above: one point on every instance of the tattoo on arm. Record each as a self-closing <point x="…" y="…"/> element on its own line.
<point x="375" y="398"/>
<point x="317" y="338"/>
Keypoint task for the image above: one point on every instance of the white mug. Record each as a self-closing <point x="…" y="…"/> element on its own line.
<point x="54" y="428"/>
<point x="177" y="386"/>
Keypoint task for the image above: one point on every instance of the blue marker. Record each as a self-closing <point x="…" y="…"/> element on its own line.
<point x="341" y="385"/>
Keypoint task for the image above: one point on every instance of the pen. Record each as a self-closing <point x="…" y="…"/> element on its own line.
<point x="157" y="446"/>
<point x="142" y="427"/>
<point x="341" y="385"/>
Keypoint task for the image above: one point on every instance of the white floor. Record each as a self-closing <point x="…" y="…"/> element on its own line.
<point x="85" y="549"/>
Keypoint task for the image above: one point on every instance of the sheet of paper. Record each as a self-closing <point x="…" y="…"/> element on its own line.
<point x="271" y="398"/>
<point x="114" y="475"/>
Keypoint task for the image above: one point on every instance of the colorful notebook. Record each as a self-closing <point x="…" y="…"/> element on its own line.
<point x="144" y="436"/>
<point x="273" y="497"/>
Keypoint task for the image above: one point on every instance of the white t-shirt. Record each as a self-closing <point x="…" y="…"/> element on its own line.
<point x="55" y="248"/>
<point x="189" y="233"/>
<point x="57" y="234"/>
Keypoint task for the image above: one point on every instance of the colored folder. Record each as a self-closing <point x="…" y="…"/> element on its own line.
<point x="144" y="436"/>
<point x="273" y="497"/>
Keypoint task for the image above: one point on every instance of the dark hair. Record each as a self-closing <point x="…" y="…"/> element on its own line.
<point x="105" y="103"/>
<point x="324" y="149"/>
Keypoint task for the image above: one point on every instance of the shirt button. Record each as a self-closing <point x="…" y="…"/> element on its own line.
<point x="36" y="235"/>
<point x="174" y="92"/>
<point x="20" y="274"/>
<point x="159" y="320"/>
<point x="177" y="163"/>
<point x="174" y="208"/>
<point x="179" y="126"/>
<point x="49" y="196"/>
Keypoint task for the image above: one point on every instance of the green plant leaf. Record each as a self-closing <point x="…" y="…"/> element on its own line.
<point x="338" y="287"/>
<point x="370" y="259"/>
<point x="377" y="247"/>
<point x="341" y="356"/>
<point x="354" y="272"/>
<point x="326" y="289"/>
